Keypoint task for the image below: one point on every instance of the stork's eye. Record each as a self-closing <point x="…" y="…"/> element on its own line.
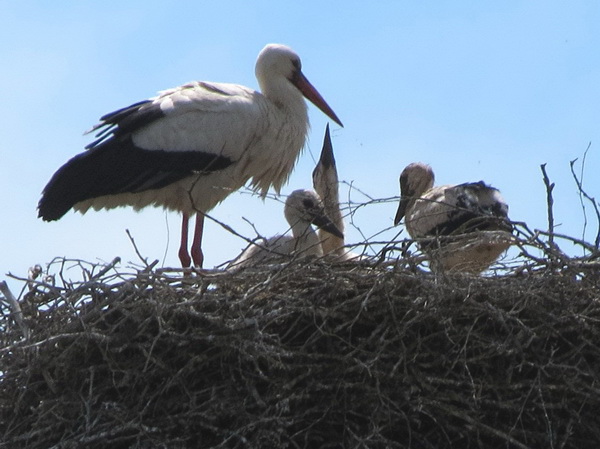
<point x="295" y="75"/>
<point x="308" y="204"/>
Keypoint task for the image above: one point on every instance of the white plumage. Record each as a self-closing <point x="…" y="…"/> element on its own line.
<point x="303" y="208"/>
<point x="462" y="227"/>
<point x="191" y="146"/>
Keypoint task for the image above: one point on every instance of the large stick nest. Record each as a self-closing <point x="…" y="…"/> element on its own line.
<point x="305" y="354"/>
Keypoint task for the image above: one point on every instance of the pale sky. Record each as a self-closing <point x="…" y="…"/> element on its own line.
<point x="479" y="90"/>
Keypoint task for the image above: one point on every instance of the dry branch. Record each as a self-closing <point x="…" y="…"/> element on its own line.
<point x="549" y="203"/>
<point x="584" y="194"/>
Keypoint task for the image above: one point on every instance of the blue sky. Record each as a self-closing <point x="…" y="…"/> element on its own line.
<point x="479" y="90"/>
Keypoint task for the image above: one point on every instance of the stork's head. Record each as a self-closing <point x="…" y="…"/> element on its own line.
<point x="276" y="60"/>
<point x="415" y="180"/>
<point x="305" y="206"/>
<point x="278" y="64"/>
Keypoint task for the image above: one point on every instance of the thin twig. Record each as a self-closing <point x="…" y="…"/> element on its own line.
<point x="137" y="251"/>
<point x="584" y="194"/>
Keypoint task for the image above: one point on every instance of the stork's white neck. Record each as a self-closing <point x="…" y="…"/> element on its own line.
<point x="306" y="239"/>
<point x="275" y="67"/>
<point x="287" y="98"/>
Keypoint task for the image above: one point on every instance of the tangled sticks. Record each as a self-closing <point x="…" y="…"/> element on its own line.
<point x="306" y="354"/>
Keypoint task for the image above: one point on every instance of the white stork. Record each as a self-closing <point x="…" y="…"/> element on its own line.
<point x="189" y="147"/>
<point x="464" y="227"/>
<point x="303" y="208"/>
<point x="326" y="184"/>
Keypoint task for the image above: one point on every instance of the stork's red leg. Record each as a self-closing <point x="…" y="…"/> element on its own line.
<point x="197" y="255"/>
<point x="184" y="255"/>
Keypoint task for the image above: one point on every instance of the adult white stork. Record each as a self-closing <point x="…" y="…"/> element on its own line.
<point x="190" y="147"/>
<point x="463" y="227"/>
<point x="303" y="208"/>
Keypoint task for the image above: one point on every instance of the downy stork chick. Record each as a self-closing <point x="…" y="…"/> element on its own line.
<point x="326" y="184"/>
<point x="462" y="227"/>
<point x="189" y="147"/>
<point x="303" y="208"/>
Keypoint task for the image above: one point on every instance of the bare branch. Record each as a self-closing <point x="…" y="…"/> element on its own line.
<point x="550" y="204"/>
<point x="584" y="194"/>
<point x="144" y="260"/>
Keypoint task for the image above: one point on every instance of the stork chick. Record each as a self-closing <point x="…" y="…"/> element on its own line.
<point x="462" y="227"/>
<point x="303" y="208"/>
<point x="326" y="184"/>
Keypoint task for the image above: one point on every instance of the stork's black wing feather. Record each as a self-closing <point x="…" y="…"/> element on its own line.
<point x="113" y="164"/>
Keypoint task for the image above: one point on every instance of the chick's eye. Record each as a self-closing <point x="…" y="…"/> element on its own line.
<point x="308" y="204"/>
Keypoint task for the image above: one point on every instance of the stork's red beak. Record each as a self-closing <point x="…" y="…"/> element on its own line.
<point x="309" y="91"/>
